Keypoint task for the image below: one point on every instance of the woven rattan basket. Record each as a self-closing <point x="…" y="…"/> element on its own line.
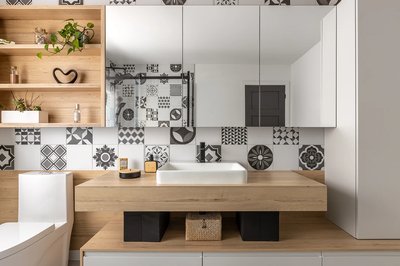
<point x="203" y="226"/>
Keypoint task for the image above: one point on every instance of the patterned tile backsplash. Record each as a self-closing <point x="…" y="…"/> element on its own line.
<point x="99" y="148"/>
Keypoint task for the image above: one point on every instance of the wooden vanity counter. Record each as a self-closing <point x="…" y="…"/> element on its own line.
<point x="265" y="191"/>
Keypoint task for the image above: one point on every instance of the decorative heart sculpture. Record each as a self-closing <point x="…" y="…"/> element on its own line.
<point x="65" y="74"/>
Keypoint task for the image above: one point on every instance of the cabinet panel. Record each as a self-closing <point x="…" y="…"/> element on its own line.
<point x="261" y="259"/>
<point x="361" y="259"/>
<point x="142" y="259"/>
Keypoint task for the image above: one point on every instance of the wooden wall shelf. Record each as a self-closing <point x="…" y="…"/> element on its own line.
<point x="33" y="49"/>
<point x="40" y="125"/>
<point x="50" y="87"/>
<point x="36" y="75"/>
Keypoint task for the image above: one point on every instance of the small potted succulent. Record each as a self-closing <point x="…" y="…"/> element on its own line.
<point x="26" y="111"/>
<point x="72" y="36"/>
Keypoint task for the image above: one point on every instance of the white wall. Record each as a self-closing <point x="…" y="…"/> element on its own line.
<point x="305" y="88"/>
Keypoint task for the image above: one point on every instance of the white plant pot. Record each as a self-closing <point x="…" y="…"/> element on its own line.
<point x="24" y="117"/>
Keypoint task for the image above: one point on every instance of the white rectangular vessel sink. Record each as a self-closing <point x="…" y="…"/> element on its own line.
<point x="201" y="174"/>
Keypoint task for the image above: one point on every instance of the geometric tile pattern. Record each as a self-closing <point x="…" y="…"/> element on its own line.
<point x="159" y="152"/>
<point x="175" y="67"/>
<point x="7" y="157"/>
<point x="53" y="157"/>
<point x="79" y="135"/>
<point x="153" y="68"/>
<point x="105" y="157"/>
<point x="122" y="2"/>
<point x="260" y="157"/>
<point x="70" y="2"/>
<point x="127" y="90"/>
<point x="131" y="135"/>
<point x="328" y="2"/>
<point x="174" y="2"/>
<point x="311" y="157"/>
<point x="164" y="102"/>
<point x="212" y="153"/>
<point x="234" y="135"/>
<point x="27" y="136"/>
<point x="277" y="2"/>
<point x="286" y="135"/>
<point x="18" y="2"/>
<point x="182" y="135"/>
<point x="227" y="2"/>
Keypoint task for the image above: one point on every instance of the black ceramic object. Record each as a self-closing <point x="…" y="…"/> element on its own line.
<point x="65" y="74"/>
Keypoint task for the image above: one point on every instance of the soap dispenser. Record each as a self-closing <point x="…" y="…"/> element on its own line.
<point x="150" y="166"/>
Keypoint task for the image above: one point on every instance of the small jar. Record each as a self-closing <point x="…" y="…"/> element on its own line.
<point x="14" y="77"/>
<point x="77" y="114"/>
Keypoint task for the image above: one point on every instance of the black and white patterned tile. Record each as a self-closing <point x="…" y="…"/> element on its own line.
<point x="128" y="114"/>
<point x="141" y="102"/>
<point x="164" y="78"/>
<point x="175" y="114"/>
<point x="286" y="135"/>
<point x="128" y="90"/>
<point x="122" y="2"/>
<point x="105" y="156"/>
<point x="152" y="90"/>
<point x="175" y="67"/>
<point x="53" y="157"/>
<point x="19" y="2"/>
<point x="311" y="157"/>
<point x="27" y="136"/>
<point x="227" y="2"/>
<point x="260" y="157"/>
<point x="151" y="114"/>
<point x="159" y="152"/>
<point x="234" y="135"/>
<point x="277" y="2"/>
<point x="130" y="68"/>
<point x="7" y="157"/>
<point x="163" y="123"/>
<point x="131" y="135"/>
<point x="79" y="135"/>
<point x="70" y="2"/>
<point x="175" y="89"/>
<point x="174" y="2"/>
<point x="328" y="2"/>
<point x="213" y="153"/>
<point x="152" y="68"/>
<point x="182" y="135"/>
<point x="164" y="102"/>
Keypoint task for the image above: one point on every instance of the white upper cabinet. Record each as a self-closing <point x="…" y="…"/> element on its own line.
<point x="221" y="44"/>
<point x="298" y="52"/>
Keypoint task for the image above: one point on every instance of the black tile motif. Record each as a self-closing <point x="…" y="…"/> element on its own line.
<point x="163" y="123"/>
<point x="213" y="153"/>
<point x="277" y="2"/>
<point x="164" y="102"/>
<point x="286" y="136"/>
<point x="311" y="157"/>
<point x="53" y="157"/>
<point x="19" y="2"/>
<point x="129" y="68"/>
<point x="151" y="90"/>
<point x="122" y="2"/>
<point x="234" y="135"/>
<point x="128" y="114"/>
<point x="27" y="136"/>
<point x="128" y="90"/>
<point x="227" y="2"/>
<point x="174" y="2"/>
<point x="260" y="157"/>
<point x="185" y="102"/>
<point x="160" y="154"/>
<point x="70" y="2"/>
<point x="7" y="157"/>
<point x="141" y="78"/>
<point x="152" y="68"/>
<point x="105" y="157"/>
<point x="176" y="114"/>
<point x="182" y="135"/>
<point x="164" y="79"/>
<point x="79" y="135"/>
<point x="328" y="2"/>
<point x="141" y="102"/>
<point x="175" y="67"/>
<point x="151" y="114"/>
<point x="131" y="135"/>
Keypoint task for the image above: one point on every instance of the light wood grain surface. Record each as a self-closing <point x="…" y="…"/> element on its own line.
<point x="265" y="191"/>
<point x="311" y="234"/>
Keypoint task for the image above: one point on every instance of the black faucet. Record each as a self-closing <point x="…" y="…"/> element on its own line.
<point x="202" y="152"/>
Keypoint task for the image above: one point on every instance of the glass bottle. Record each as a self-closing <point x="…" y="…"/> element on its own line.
<point x="77" y="114"/>
<point x="14" y="77"/>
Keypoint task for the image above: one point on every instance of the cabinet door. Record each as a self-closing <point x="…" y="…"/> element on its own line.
<point x="144" y="85"/>
<point x="361" y="259"/>
<point x="142" y="259"/>
<point x="221" y="44"/>
<point x="262" y="259"/>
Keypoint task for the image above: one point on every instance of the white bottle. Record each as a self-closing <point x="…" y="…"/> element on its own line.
<point x="77" y="114"/>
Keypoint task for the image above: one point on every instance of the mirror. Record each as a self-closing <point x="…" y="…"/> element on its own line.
<point x="224" y="52"/>
<point x="145" y="85"/>
<point x="298" y="66"/>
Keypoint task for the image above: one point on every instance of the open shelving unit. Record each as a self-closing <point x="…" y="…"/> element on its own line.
<point x="36" y="75"/>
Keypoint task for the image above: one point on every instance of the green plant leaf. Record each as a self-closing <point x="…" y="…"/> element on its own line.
<point x="53" y="38"/>
<point x="57" y="49"/>
<point x="46" y="46"/>
<point x="90" y="25"/>
<point x="75" y="43"/>
<point x="39" y="55"/>
<point x="70" y="50"/>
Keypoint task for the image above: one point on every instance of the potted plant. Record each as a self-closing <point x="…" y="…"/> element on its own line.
<point x="72" y="35"/>
<point x="26" y="111"/>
